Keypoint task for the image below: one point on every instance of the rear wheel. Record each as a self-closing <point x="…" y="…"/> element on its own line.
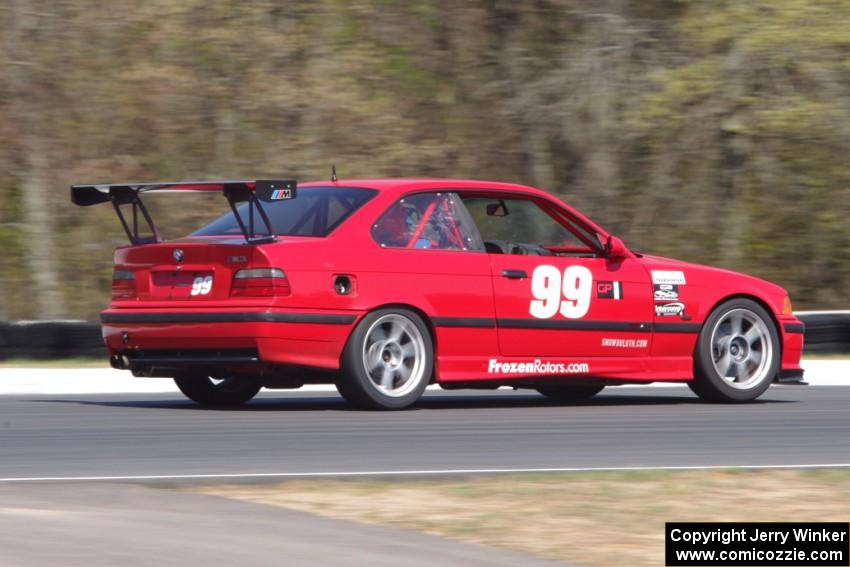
<point x="226" y="392"/>
<point x="737" y="354"/>
<point x="388" y="360"/>
<point x="570" y="392"/>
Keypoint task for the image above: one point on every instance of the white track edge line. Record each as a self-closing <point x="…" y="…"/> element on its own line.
<point x="424" y="472"/>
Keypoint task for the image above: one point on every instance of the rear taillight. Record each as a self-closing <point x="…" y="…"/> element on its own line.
<point x="123" y="284"/>
<point x="259" y="282"/>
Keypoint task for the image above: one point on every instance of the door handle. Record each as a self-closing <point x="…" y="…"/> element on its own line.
<point x="514" y="274"/>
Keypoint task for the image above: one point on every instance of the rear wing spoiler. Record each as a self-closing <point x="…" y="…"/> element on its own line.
<point x="251" y="192"/>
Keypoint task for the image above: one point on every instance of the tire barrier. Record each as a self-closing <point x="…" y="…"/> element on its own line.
<point x="826" y="332"/>
<point x="50" y="339"/>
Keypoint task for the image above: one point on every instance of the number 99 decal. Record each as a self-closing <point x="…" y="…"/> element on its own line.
<point x="201" y="285"/>
<point x="569" y="295"/>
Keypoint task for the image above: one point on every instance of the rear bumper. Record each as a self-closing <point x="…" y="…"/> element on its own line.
<point x="301" y="337"/>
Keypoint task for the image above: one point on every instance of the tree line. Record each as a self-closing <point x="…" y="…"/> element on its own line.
<point x="715" y="132"/>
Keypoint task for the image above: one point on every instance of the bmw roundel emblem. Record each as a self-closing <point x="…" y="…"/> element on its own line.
<point x="178" y="255"/>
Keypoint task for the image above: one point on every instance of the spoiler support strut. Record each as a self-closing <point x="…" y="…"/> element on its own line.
<point x="236" y="195"/>
<point x="119" y="198"/>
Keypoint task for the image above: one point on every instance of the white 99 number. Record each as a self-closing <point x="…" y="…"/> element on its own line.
<point x="569" y="295"/>
<point x="201" y="285"/>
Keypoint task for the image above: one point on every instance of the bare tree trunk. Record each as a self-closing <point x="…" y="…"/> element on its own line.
<point x="735" y="221"/>
<point x="38" y="222"/>
<point x="33" y="175"/>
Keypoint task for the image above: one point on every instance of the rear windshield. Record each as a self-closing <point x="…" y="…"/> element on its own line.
<point x="315" y="211"/>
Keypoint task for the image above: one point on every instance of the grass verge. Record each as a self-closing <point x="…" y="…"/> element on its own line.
<point x="598" y="519"/>
<point x="55" y="363"/>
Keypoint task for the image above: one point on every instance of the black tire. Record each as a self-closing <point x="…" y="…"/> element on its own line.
<point x="229" y="392"/>
<point x="570" y="392"/>
<point x="360" y="385"/>
<point x="747" y="382"/>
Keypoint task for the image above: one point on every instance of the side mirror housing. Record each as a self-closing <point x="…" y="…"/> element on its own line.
<point x="615" y="249"/>
<point x="499" y="209"/>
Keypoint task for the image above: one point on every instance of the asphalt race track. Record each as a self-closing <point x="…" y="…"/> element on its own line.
<point x="309" y="433"/>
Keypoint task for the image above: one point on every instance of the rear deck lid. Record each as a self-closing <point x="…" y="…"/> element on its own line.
<point x="196" y="270"/>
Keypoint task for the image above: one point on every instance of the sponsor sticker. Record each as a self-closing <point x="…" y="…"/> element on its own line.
<point x="496" y="366"/>
<point x="675" y="277"/>
<point x="625" y="343"/>
<point x="201" y="285"/>
<point x="669" y="309"/>
<point x="665" y="292"/>
<point x="281" y="194"/>
<point x="609" y="290"/>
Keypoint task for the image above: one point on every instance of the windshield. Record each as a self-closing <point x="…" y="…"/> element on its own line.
<point x="316" y="211"/>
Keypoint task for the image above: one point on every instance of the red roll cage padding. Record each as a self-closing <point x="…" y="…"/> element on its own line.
<point x="455" y="230"/>
<point x="429" y="212"/>
<point x="419" y="229"/>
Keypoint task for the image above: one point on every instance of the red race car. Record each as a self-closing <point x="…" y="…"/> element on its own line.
<point x="384" y="286"/>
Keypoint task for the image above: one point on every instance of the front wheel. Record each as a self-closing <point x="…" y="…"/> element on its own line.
<point x="226" y="392"/>
<point x="737" y="353"/>
<point x="388" y="361"/>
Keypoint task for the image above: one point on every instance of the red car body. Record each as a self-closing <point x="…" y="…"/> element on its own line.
<point x="476" y="304"/>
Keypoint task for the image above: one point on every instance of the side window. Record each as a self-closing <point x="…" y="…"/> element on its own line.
<point x="428" y="221"/>
<point x="521" y="226"/>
